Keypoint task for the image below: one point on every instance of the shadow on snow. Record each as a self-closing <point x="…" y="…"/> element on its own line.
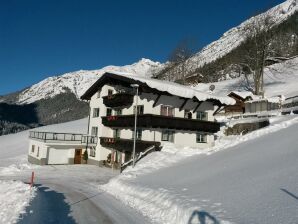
<point x="47" y="207"/>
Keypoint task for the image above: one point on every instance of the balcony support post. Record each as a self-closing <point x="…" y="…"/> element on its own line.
<point x="183" y="104"/>
<point x="156" y="100"/>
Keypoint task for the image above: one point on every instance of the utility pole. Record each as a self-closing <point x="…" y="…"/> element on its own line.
<point x="136" y="88"/>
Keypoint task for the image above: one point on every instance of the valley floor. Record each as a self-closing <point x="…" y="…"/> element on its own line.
<point x="242" y="179"/>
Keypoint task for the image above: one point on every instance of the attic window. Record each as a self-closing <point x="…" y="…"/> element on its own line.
<point x="110" y="92"/>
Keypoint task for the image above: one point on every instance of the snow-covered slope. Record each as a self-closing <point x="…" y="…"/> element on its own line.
<point x="235" y="36"/>
<point x="79" y="81"/>
<point x="250" y="179"/>
<point x="279" y="79"/>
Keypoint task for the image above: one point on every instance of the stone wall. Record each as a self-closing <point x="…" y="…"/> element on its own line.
<point x="244" y="128"/>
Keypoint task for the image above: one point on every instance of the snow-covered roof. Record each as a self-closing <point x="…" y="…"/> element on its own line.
<point x="160" y="85"/>
<point x="242" y="94"/>
<point x="274" y="99"/>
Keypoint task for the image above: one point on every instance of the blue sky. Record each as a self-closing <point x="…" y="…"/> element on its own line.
<point x="41" y="38"/>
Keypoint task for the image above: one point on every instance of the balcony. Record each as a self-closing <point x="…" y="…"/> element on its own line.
<point x="158" y="121"/>
<point x="69" y="138"/>
<point x="118" y="100"/>
<point x="120" y="144"/>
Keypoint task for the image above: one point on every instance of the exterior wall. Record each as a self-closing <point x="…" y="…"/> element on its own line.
<point x="147" y="100"/>
<point x="40" y="152"/>
<point x="50" y="153"/>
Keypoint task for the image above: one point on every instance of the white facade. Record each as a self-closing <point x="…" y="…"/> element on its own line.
<point x="147" y="100"/>
<point x="168" y="112"/>
<point x="56" y="151"/>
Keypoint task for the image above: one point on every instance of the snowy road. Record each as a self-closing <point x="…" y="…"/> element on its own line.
<point x="70" y="194"/>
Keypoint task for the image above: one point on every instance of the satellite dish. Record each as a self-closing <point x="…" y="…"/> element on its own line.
<point x="211" y="88"/>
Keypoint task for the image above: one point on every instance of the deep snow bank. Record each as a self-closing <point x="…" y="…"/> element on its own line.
<point x="164" y="205"/>
<point x="14" y="198"/>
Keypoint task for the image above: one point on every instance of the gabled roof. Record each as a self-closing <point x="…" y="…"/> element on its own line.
<point x="155" y="86"/>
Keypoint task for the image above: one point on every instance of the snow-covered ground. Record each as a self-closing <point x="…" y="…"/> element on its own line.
<point x="242" y="179"/>
<point x="14" y="197"/>
<point x="64" y="194"/>
<point x="183" y="185"/>
<point x="279" y="79"/>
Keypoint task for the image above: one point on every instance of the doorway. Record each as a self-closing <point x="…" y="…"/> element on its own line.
<point x="78" y="156"/>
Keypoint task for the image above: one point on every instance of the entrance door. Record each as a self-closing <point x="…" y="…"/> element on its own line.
<point x="78" y="156"/>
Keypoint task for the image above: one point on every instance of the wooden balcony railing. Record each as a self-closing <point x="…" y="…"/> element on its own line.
<point x="126" y="144"/>
<point x="118" y="100"/>
<point x="158" y="121"/>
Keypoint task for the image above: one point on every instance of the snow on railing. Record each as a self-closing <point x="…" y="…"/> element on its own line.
<point x="140" y="156"/>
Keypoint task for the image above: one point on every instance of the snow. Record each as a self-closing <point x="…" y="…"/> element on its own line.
<point x="63" y="192"/>
<point x="235" y="36"/>
<point x="279" y="79"/>
<point x="79" y="81"/>
<point x="243" y="94"/>
<point x="14" y="198"/>
<point x="177" y="89"/>
<point x="164" y="185"/>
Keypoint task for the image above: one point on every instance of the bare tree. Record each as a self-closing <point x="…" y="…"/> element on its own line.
<point x="258" y="51"/>
<point x="177" y="66"/>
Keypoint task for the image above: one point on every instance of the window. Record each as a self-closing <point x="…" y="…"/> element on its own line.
<point x="110" y="92"/>
<point x="95" y="112"/>
<point x="98" y="94"/>
<point x="202" y="116"/>
<point x="109" y="112"/>
<point x="138" y="134"/>
<point x="140" y="109"/>
<point x="37" y="152"/>
<point x="32" y="148"/>
<point x="201" y="137"/>
<point x="167" y="111"/>
<point x="116" y="133"/>
<point x="187" y="114"/>
<point x="167" y="135"/>
<point x="94" y="131"/>
<point x="118" y="112"/>
<point x="92" y="151"/>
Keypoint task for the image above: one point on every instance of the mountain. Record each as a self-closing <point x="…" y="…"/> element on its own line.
<point x="57" y="99"/>
<point x="210" y="64"/>
<point x="78" y="82"/>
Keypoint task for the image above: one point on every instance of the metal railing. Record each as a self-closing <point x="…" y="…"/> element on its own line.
<point x="64" y="137"/>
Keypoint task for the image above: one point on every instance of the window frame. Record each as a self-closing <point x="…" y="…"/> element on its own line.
<point x="110" y="92"/>
<point x="92" y="151"/>
<point x="109" y="109"/>
<point x="167" y="108"/>
<point x="116" y="111"/>
<point x="92" y="131"/>
<point x="116" y="133"/>
<point x="170" y="135"/>
<point x="200" y="117"/>
<point x="140" y="109"/>
<point x="98" y="93"/>
<point x="96" y="112"/>
<point x="201" y="137"/>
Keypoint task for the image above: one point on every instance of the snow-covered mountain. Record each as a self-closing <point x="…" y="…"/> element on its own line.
<point x="79" y="81"/>
<point x="279" y="79"/>
<point x="237" y="35"/>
